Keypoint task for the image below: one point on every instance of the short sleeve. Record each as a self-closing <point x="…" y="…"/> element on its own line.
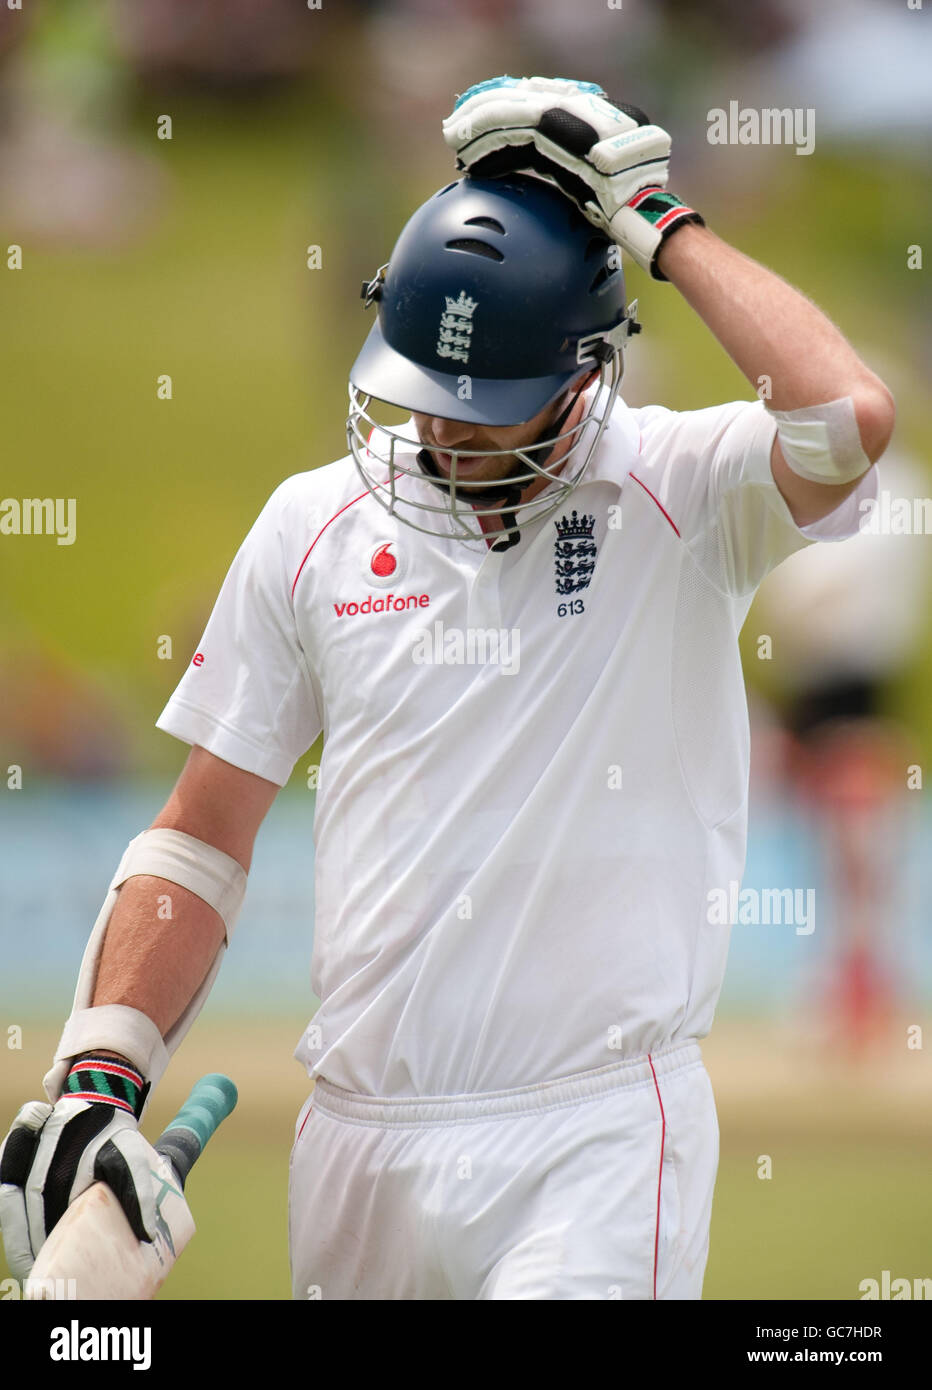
<point x="248" y="694"/>
<point x="711" y="469"/>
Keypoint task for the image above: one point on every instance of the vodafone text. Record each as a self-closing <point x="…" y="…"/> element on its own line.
<point x="388" y="604"/>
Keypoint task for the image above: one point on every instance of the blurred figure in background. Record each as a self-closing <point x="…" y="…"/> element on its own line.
<point x="223" y="42"/>
<point x="845" y="621"/>
<point x="69" y="174"/>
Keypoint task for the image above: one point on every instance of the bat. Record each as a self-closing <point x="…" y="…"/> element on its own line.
<point x="92" y="1251"/>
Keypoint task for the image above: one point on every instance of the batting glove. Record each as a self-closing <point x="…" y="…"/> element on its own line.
<point x="53" y="1153"/>
<point x="610" y="160"/>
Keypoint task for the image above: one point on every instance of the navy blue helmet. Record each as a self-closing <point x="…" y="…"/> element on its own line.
<point x="499" y="294"/>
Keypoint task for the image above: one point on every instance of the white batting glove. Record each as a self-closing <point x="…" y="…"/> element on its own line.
<point x="53" y="1153"/>
<point x="610" y="160"/>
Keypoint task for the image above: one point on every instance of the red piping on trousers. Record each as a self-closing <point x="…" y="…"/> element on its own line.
<point x="653" y="499"/>
<point x="663" y="1136"/>
<point x="304" y="1122"/>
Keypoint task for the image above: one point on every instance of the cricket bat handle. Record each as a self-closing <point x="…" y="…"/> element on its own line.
<point x="183" y="1141"/>
<point x="92" y="1251"/>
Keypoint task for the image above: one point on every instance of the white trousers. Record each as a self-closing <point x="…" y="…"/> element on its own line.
<point x="594" y="1186"/>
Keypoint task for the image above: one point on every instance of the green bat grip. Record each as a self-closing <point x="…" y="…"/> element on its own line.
<point x="211" y="1100"/>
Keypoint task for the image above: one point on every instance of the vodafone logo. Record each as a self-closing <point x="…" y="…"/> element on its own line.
<point x="383" y="562"/>
<point x="385" y="565"/>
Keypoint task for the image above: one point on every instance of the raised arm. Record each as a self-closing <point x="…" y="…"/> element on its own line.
<point x="613" y="162"/>
<point x="769" y="329"/>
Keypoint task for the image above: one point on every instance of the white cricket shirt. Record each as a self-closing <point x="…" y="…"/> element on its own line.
<point x="515" y="845"/>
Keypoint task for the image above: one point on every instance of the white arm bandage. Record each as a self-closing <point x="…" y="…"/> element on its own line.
<point x="822" y="442"/>
<point x="202" y="869"/>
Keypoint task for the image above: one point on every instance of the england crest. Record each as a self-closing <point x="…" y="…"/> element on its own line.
<point x="455" y="331"/>
<point x="574" y="553"/>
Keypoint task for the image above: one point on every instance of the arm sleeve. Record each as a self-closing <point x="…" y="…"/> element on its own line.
<point x="248" y="695"/>
<point x="711" y="471"/>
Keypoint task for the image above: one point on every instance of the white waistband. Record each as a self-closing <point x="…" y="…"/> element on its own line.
<point x="547" y="1095"/>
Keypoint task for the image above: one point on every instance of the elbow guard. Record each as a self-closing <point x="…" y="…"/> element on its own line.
<point x="822" y="442"/>
<point x="204" y="870"/>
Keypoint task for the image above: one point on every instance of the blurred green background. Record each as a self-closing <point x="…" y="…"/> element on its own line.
<point x="188" y="257"/>
<point x="294" y="128"/>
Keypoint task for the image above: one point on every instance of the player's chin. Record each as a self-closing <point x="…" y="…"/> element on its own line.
<point x="467" y="486"/>
<point x="483" y="473"/>
<point x="475" y="470"/>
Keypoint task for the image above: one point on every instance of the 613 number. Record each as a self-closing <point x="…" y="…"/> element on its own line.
<point x="575" y="605"/>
